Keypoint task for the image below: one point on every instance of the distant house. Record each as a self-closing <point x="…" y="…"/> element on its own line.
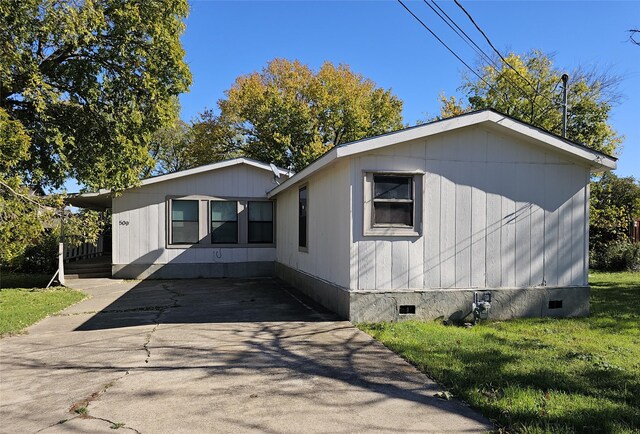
<point x="407" y="224"/>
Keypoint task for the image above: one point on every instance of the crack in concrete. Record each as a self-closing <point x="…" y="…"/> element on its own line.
<point x="84" y="403"/>
<point x="81" y="406"/>
<point x="114" y="425"/>
<point x="174" y="298"/>
<point x="134" y="309"/>
<point x="60" y="422"/>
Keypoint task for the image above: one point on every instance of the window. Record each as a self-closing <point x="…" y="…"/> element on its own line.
<point x="224" y="222"/>
<point x="392" y="204"/>
<point x="260" y="222"/>
<point x="184" y="222"/>
<point x="215" y="222"/>
<point x="393" y="200"/>
<point x="302" y="217"/>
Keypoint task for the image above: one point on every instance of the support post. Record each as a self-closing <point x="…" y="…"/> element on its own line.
<point x="61" y="250"/>
<point x="61" y="263"/>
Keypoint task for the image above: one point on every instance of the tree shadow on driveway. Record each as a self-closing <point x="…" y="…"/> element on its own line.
<point x="252" y="339"/>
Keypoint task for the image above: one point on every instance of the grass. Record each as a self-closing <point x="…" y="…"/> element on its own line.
<point x="23" y="280"/>
<point x="540" y="375"/>
<point x="23" y="301"/>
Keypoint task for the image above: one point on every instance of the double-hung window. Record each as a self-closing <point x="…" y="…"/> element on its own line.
<point x="260" y="226"/>
<point x="224" y="222"/>
<point x="184" y="222"/>
<point x="392" y="204"/>
<point x="393" y="201"/>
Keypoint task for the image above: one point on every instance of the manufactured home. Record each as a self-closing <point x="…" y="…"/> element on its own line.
<point x="410" y="224"/>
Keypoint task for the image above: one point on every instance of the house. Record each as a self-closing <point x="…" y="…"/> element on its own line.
<point x="410" y="224"/>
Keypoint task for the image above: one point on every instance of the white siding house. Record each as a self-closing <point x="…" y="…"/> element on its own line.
<point x="496" y="206"/>
<point x="211" y="221"/>
<point x="408" y="224"/>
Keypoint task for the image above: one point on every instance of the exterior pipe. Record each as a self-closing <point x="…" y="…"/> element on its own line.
<point x="565" y="80"/>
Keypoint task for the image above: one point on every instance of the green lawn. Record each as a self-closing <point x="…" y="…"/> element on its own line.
<point x="23" y="301"/>
<point x="540" y="375"/>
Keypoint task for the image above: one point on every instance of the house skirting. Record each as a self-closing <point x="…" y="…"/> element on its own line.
<point x="331" y="296"/>
<point x="193" y="271"/>
<point x="450" y="304"/>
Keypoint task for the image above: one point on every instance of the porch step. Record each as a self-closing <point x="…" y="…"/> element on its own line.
<point x="87" y="275"/>
<point x="88" y="268"/>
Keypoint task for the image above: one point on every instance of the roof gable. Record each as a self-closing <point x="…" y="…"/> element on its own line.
<point x="210" y="167"/>
<point x="594" y="159"/>
<point x="102" y="199"/>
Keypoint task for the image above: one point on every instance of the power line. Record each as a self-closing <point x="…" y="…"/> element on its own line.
<point x="498" y="52"/>
<point x="466" y="37"/>
<point x="469" y="41"/>
<point x="450" y="50"/>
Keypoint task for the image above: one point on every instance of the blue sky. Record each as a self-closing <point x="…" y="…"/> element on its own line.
<point x="383" y="42"/>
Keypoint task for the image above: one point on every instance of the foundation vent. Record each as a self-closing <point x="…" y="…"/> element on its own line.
<point x="555" y="304"/>
<point x="407" y="309"/>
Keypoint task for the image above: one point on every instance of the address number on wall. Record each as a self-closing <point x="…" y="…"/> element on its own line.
<point x="124" y="222"/>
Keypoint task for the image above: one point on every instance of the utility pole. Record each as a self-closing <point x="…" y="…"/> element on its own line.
<point x="565" y="80"/>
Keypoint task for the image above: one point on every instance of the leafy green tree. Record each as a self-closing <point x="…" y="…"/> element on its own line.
<point x="213" y="139"/>
<point x="615" y="203"/>
<point x="289" y="115"/>
<point x="182" y="146"/>
<point x="529" y="90"/>
<point x="169" y="148"/>
<point x="90" y="81"/>
<point x="21" y="213"/>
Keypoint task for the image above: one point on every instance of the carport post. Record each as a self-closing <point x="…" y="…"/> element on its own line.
<point x="61" y="250"/>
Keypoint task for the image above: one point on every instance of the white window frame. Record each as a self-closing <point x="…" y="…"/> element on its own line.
<point x="204" y="216"/>
<point x="170" y="222"/>
<point x="389" y="230"/>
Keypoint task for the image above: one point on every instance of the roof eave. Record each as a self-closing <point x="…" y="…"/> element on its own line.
<point x="596" y="161"/>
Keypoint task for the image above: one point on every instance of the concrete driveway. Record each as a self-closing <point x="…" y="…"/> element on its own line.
<point x="211" y="356"/>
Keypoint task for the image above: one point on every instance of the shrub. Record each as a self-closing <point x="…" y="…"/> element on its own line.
<point x="620" y="256"/>
<point x="41" y="257"/>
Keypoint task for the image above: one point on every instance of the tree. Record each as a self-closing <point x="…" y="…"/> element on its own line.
<point x="90" y="82"/>
<point x="615" y="203"/>
<point x="21" y="213"/>
<point x="213" y="139"/>
<point x="169" y="148"/>
<point x="528" y="90"/>
<point x="289" y="115"/>
<point x="182" y="146"/>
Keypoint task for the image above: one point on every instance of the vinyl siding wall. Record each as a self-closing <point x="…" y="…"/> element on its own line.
<point x="329" y="228"/>
<point x="144" y="239"/>
<point x="498" y="212"/>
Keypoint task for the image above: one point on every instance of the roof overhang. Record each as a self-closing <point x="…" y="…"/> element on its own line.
<point x="99" y="201"/>
<point x="597" y="161"/>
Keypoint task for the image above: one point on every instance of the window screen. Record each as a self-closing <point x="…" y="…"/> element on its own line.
<point x="302" y="217"/>
<point x="261" y="222"/>
<point x="184" y="222"/>
<point x="224" y="222"/>
<point x="393" y="200"/>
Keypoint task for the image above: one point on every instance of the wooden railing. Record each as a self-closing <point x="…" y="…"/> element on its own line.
<point x="83" y="251"/>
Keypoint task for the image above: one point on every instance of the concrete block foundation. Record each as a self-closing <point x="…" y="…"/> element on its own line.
<point x="450" y="304"/>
